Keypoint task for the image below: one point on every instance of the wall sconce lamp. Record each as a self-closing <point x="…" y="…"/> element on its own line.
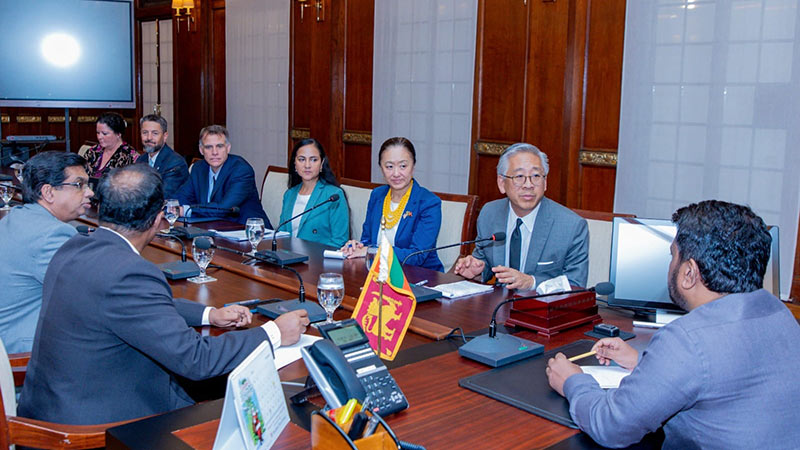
<point x="188" y="12"/>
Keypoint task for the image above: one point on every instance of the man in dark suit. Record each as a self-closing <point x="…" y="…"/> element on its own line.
<point x="170" y="165"/>
<point x="111" y="340"/>
<point x="543" y="239"/>
<point x="222" y="184"/>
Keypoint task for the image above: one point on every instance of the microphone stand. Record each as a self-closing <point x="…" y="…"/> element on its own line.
<point x="419" y="252"/>
<point x="273" y="310"/>
<point x="178" y="270"/>
<point x="285" y="257"/>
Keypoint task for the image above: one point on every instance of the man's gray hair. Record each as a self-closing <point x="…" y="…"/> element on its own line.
<point x="502" y="165"/>
<point x="155" y="118"/>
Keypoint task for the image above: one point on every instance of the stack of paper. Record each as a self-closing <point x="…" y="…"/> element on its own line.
<point x="462" y="289"/>
<point x="606" y="376"/>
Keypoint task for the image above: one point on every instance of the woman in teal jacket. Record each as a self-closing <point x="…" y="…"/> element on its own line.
<point x="311" y="181"/>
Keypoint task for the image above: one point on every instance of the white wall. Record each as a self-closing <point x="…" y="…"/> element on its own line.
<point x="710" y="111"/>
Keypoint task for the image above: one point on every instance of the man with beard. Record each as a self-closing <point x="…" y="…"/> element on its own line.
<point x="170" y="165"/>
<point x="722" y="376"/>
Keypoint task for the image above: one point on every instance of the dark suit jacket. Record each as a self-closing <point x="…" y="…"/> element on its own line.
<point x="559" y="242"/>
<point x="111" y="339"/>
<point x="172" y="167"/>
<point x="235" y="186"/>
<point x="417" y="230"/>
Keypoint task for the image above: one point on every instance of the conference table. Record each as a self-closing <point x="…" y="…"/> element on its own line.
<point x="427" y="368"/>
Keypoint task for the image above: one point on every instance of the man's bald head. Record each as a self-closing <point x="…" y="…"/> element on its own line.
<point x="130" y="197"/>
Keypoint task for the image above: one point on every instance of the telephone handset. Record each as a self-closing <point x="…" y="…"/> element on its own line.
<point x="344" y="366"/>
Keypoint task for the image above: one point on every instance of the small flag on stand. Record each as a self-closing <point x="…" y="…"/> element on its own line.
<point x="386" y="285"/>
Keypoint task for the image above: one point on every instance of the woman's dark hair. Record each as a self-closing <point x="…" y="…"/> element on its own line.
<point x="399" y="141"/>
<point x="326" y="173"/>
<point x="130" y="197"/>
<point x="729" y="242"/>
<point x="47" y="168"/>
<point x="114" y="121"/>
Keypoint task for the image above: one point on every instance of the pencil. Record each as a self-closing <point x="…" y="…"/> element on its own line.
<point x="581" y="356"/>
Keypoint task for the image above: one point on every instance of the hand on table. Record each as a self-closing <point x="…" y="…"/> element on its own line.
<point x="513" y="278"/>
<point x="469" y="267"/>
<point x="559" y="368"/>
<point x="292" y="325"/>
<point x="353" y="249"/>
<point x="615" y="349"/>
<point x="230" y="316"/>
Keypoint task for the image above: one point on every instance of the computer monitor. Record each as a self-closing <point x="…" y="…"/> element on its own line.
<point x="640" y="260"/>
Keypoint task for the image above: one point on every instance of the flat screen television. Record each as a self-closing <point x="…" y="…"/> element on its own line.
<point x="67" y="53"/>
<point x="640" y="260"/>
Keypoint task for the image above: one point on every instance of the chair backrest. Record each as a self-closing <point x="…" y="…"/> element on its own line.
<point x="274" y="185"/>
<point x="458" y="212"/>
<point x="82" y="151"/>
<point x="600" y="230"/>
<point x="357" y="192"/>
<point x="7" y="383"/>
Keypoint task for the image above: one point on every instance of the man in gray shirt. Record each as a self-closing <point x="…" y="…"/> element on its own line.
<point x="54" y="190"/>
<point x="722" y="376"/>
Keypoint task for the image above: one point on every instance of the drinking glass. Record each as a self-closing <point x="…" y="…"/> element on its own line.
<point x="17" y="170"/>
<point x="172" y="209"/>
<point x="330" y="292"/>
<point x="202" y="256"/>
<point x="254" y="229"/>
<point x="372" y="253"/>
<point x="6" y="193"/>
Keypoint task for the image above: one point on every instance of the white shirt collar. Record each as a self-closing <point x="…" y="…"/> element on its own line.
<point x="124" y="239"/>
<point x="527" y="221"/>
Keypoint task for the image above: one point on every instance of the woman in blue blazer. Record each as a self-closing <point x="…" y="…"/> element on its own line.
<point x="311" y="181"/>
<point x="413" y="214"/>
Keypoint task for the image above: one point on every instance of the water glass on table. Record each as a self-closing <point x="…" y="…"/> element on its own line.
<point x="330" y="292"/>
<point x="254" y="229"/>
<point x="6" y="193"/>
<point x="369" y="257"/>
<point x="202" y="252"/>
<point x="172" y="209"/>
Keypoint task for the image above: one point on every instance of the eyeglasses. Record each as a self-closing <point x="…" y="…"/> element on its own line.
<point x="519" y="180"/>
<point x="82" y="185"/>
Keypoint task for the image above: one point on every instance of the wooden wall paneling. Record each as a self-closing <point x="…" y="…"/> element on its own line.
<point x="216" y="81"/>
<point x="358" y="60"/>
<point x="498" y="114"/>
<point x="300" y="63"/>
<point x="335" y="17"/>
<point x="574" y="77"/>
<point x="545" y="99"/>
<point x="601" y="103"/>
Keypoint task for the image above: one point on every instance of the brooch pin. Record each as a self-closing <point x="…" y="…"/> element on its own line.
<point x="408" y="214"/>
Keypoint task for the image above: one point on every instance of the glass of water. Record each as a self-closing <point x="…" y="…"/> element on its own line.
<point x="202" y="252"/>
<point x="254" y="229"/>
<point x="330" y="292"/>
<point x="369" y="258"/>
<point x="172" y="209"/>
<point x="6" y="193"/>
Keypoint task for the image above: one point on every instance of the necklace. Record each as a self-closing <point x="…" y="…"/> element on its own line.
<point x="392" y="217"/>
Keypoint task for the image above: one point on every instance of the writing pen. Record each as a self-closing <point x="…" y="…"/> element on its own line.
<point x="253" y="302"/>
<point x="421" y="283"/>
<point x="581" y="356"/>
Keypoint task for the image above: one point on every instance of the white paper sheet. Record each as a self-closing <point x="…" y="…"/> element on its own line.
<point x="606" y="376"/>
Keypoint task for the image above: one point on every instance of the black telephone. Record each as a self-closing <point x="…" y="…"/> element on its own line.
<point x="344" y="366"/>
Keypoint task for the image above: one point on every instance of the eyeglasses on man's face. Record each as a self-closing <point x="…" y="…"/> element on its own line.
<point x="80" y="184"/>
<point x="519" y="180"/>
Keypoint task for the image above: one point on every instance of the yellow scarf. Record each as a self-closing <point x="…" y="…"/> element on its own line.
<point x="393" y="217"/>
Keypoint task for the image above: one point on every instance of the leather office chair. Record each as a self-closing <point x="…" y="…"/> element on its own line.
<point x="36" y="433"/>
<point x="272" y="188"/>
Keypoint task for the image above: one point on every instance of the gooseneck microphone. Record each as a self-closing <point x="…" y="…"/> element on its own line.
<point x="497" y="350"/>
<point x="178" y="270"/>
<point x="497" y="237"/>
<point x="273" y="310"/>
<point x="285" y="257"/>
<point x="84" y="229"/>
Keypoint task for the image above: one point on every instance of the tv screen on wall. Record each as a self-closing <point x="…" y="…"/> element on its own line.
<point x="67" y="53"/>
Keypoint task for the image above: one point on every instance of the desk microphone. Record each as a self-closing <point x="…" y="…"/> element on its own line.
<point x="84" y="229"/>
<point x="234" y="210"/>
<point x="285" y="257"/>
<point x="273" y="310"/>
<point x="497" y="350"/>
<point x="497" y="237"/>
<point x="178" y="270"/>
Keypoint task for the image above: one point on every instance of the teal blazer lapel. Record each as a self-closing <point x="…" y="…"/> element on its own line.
<point x="313" y="200"/>
<point x="541" y="231"/>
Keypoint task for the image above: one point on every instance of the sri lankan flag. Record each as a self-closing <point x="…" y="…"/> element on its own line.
<point x="398" y="302"/>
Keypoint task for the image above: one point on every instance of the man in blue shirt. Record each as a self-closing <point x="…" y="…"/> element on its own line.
<point x="222" y="185"/>
<point x="55" y="190"/>
<point x="723" y="375"/>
